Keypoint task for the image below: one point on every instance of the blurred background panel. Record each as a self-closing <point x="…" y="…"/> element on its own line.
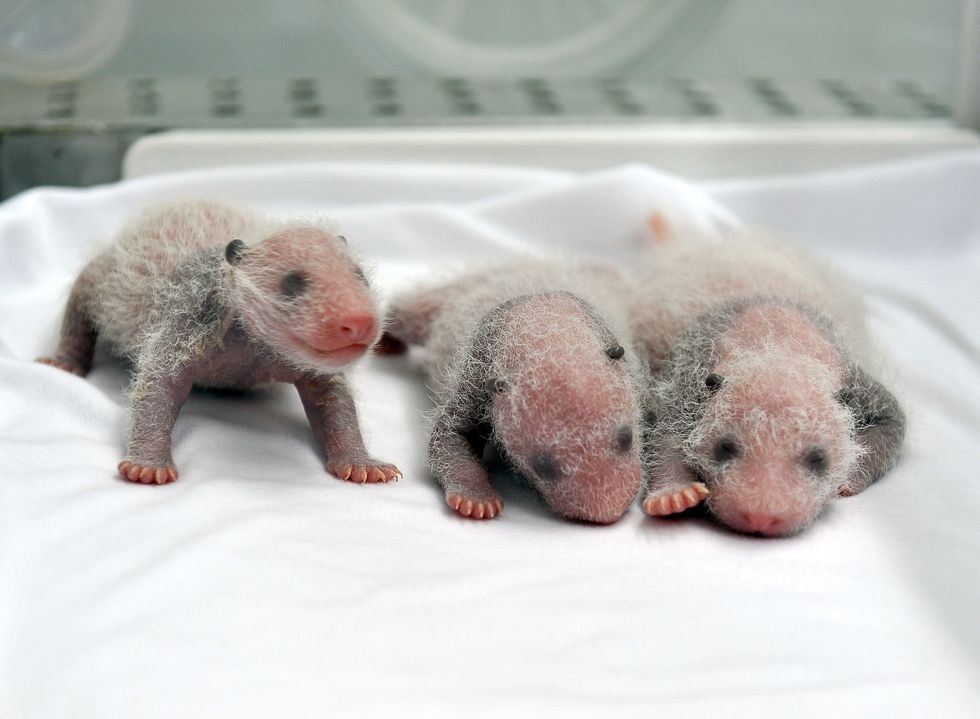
<point x="697" y="86"/>
<point x="725" y="39"/>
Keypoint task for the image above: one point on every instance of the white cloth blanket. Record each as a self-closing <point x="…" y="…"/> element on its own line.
<point x="259" y="586"/>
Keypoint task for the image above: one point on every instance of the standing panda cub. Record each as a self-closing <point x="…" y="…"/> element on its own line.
<point x="761" y="402"/>
<point x="533" y="361"/>
<point x="215" y="295"/>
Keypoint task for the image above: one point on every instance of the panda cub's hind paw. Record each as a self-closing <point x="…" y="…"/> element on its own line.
<point x="676" y="500"/>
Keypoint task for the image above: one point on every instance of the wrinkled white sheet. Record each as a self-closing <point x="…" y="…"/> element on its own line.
<point x="259" y="586"/>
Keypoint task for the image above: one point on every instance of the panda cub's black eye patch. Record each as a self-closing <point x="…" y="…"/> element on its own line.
<point x="726" y="449"/>
<point x="624" y="438"/>
<point x="544" y="466"/>
<point x="293" y="285"/>
<point x="815" y="460"/>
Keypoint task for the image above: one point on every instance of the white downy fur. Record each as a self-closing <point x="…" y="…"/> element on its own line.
<point x="164" y="284"/>
<point x="688" y="277"/>
<point x="564" y="395"/>
<point x="785" y="335"/>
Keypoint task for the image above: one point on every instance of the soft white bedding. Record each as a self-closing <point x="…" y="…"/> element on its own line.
<point x="259" y="586"/>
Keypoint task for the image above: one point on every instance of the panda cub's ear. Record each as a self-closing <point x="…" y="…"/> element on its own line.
<point x="234" y="251"/>
<point x="496" y="385"/>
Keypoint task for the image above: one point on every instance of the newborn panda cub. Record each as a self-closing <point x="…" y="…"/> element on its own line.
<point x="531" y="361"/>
<point x="760" y="404"/>
<point x="214" y="295"/>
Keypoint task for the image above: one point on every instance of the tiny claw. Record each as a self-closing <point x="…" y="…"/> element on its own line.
<point x="391" y="473"/>
<point x="454" y="501"/>
<point x="165" y="475"/>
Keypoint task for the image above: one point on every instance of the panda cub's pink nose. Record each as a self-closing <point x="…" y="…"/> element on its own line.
<point x="357" y="329"/>
<point x="761" y="522"/>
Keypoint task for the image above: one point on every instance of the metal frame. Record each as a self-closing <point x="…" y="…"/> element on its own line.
<point x="694" y="151"/>
<point x="967" y="111"/>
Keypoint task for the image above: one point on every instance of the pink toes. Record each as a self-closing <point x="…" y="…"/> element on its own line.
<point x="369" y="473"/>
<point x="661" y="505"/>
<point x="478" y="509"/>
<point x="62" y="365"/>
<point x="147" y="474"/>
<point x="364" y="473"/>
